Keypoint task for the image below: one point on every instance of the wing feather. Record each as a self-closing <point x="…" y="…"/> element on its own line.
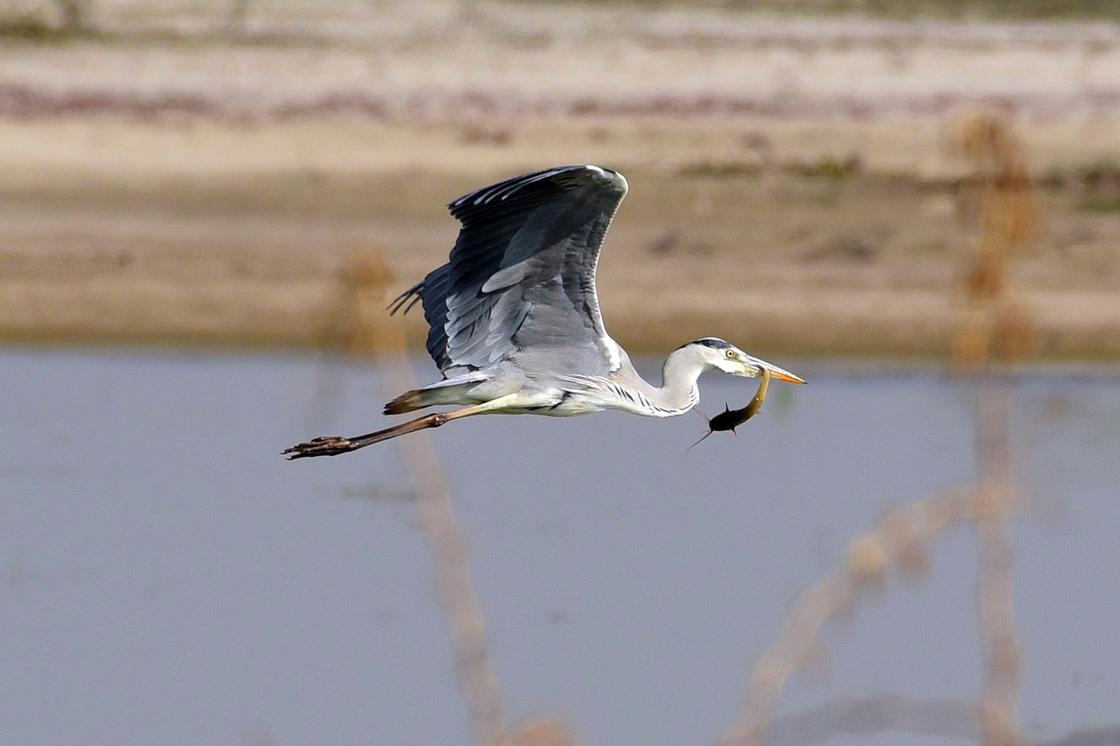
<point x="522" y="271"/>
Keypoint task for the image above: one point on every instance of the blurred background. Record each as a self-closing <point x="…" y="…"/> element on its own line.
<point x="915" y="204"/>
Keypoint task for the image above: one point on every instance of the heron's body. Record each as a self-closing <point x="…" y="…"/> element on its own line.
<point x="565" y="393"/>
<point x="514" y="320"/>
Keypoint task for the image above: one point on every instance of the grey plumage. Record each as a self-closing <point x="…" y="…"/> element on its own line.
<point x="514" y="319"/>
<point x="522" y="272"/>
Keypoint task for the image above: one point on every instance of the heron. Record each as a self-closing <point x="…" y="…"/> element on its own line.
<point x="514" y="319"/>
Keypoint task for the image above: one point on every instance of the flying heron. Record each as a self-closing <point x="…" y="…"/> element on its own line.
<point x="514" y="318"/>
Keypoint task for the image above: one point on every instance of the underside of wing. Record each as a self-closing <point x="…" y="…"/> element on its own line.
<point x="522" y="272"/>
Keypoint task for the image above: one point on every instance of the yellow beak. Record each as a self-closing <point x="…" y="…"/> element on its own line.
<point x="776" y="373"/>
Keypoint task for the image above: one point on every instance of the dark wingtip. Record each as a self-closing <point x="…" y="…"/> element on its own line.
<point x="413" y="293"/>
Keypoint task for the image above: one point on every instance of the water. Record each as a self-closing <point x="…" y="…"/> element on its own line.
<point x="165" y="577"/>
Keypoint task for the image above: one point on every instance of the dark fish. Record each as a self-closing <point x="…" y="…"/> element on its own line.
<point x="729" y="419"/>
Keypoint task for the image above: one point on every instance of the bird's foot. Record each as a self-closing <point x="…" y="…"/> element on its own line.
<point x="330" y="445"/>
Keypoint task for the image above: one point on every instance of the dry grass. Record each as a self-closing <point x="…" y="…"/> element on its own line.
<point x="212" y="199"/>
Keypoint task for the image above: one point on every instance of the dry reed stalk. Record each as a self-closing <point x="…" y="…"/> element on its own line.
<point x="997" y="328"/>
<point x="898" y="539"/>
<point x="456" y="589"/>
<point x="992" y="322"/>
<point x="996" y="607"/>
<point x="995" y="563"/>
<point x="991" y="325"/>
<point x="354" y="325"/>
<point x="361" y="330"/>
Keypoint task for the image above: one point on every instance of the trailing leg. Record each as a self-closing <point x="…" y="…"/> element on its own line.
<point x="333" y="445"/>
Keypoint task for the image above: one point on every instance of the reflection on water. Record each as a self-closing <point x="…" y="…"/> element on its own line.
<point x="165" y="577"/>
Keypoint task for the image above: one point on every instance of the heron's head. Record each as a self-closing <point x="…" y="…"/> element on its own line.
<point x="726" y="357"/>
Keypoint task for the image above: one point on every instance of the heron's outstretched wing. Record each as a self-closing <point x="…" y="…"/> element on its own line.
<point x="522" y="272"/>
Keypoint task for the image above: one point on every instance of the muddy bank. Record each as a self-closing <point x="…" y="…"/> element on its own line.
<point x="782" y="260"/>
<point x="792" y="183"/>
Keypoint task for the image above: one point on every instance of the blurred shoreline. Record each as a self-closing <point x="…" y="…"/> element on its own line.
<point x="791" y="181"/>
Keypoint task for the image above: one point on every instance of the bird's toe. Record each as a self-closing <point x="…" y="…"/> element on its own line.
<point x="328" y="445"/>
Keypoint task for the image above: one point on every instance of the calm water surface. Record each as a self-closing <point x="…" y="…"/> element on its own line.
<point x="165" y="577"/>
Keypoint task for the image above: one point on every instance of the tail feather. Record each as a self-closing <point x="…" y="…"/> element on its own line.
<point x="409" y="401"/>
<point x="453" y="390"/>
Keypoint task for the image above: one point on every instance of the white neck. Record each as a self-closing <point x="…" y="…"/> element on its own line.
<point x="678" y="392"/>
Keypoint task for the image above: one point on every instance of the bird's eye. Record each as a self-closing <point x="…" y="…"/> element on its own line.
<point x="731" y="354"/>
